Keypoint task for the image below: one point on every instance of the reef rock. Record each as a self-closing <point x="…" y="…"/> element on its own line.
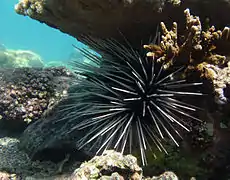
<point x="111" y="164"/>
<point x="221" y="82"/>
<point x="17" y="162"/>
<point x="27" y="94"/>
<point x="114" y="165"/>
<point x="168" y="175"/>
<point x="19" y="58"/>
<point x="137" y="20"/>
<point x="5" y="176"/>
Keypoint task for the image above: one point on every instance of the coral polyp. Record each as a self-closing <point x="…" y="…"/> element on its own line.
<point x="126" y="100"/>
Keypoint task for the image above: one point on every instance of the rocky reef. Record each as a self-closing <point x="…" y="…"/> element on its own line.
<point x="110" y="165"/>
<point x="114" y="165"/>
<point x="101" y="167"/>
<point x="28" y="94"/>
<point x="136" y="19"/>
<point x="190" y="42"/>
<point x="18" y="164"/>
<point x="195" y="47"/>
<point x="80" y="18"/>
<point x="19" y="58"/>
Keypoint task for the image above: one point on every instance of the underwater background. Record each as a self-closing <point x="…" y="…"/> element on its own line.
<point x="18" y="32"/>
<point x="170" y="94"/>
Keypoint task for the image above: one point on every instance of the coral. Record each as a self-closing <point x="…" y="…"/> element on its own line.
<point x="114" y="165"/>
<point x="220" y="78"/>
<point x="27" y="94"/>
<point x="30" y="7"/>
<point x="7" y="176"/>
<point x="168" y="47"/>
<point x="20" y="58"/>
<point x="201" y="51"/>
<point x="166" y="176"/>
<point x="107" y="164"/>
<point x="136" y="19"/>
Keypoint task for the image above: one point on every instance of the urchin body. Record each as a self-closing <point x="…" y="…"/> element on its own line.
<point x="126" y="99"/>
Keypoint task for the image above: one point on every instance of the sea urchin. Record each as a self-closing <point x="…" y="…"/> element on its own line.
<point x="126" y="100"/>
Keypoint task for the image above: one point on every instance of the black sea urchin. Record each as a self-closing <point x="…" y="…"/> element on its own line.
<point x="125" y="100"/>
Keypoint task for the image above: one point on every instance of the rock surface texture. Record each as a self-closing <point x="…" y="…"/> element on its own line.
<point x="26" y="94"/>
<point x="114" y="165"/>
<point x="137" y="20"/>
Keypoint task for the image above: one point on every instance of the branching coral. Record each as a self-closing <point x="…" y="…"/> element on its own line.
<point x="170" y="47"/>
<point x="201" y="51"/>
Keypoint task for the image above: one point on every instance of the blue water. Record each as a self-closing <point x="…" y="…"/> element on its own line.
<point x="20" y="32"/>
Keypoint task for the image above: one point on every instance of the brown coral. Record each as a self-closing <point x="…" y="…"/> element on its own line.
<point x="171" y="47"/>
<point x="201" y="51"/>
